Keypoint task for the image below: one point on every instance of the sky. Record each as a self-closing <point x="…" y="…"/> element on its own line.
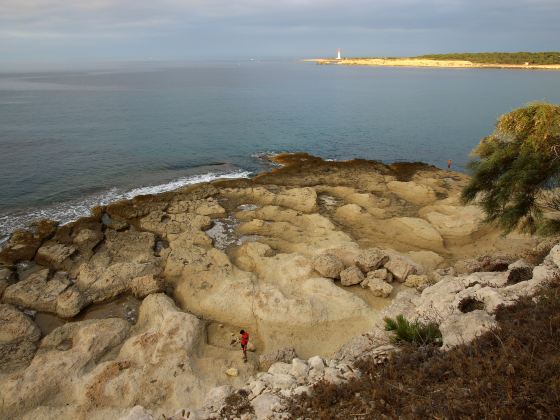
<point x="36" y="32"/>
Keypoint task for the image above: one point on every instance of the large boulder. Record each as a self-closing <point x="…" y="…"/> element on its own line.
<point x="328" y="265"/>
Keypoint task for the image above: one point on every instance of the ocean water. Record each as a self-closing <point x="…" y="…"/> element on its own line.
<point x="70" y="140"/>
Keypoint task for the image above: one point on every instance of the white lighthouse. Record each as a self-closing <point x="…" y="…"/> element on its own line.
<point x="338" y="57"/>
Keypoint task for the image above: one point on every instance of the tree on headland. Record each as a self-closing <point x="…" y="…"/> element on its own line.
<point x="516" y="170"/>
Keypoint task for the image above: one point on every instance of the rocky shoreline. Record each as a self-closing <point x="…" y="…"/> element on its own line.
<point x="308" y="258"/>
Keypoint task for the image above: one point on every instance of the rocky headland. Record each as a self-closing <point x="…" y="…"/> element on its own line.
<point x="430" y="63"/>
<point x="135" y="311"/>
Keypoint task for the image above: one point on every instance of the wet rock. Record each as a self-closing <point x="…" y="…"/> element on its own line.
<point x="21" y="246"/>
<point x="285" y="355"/>
<point x="371" y="259"/>
<point x="351" y="276"/>
<point x="328" y="265"/>
<point x="18" y="338"/>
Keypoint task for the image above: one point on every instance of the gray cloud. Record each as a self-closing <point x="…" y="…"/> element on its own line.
<point x="183" y="29"/>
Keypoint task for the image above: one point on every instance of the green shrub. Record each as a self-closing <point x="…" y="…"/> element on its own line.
<point x="413" y="332"/>
<point x="516" y="170"/>
<point x="547" y="57"/>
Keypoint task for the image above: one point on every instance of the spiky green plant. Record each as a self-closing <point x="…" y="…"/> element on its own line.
<point x="413" y="332"/>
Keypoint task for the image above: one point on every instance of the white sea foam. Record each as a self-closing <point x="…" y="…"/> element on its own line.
<point x="70" y="211"/>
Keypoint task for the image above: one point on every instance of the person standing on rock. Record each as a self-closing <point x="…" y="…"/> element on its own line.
<point x="244" y="342"/>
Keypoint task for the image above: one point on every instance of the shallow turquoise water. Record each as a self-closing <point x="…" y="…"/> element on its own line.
<point x="71" y="140"/>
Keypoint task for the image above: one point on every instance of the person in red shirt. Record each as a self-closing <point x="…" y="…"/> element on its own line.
<point x="244" y="342"/>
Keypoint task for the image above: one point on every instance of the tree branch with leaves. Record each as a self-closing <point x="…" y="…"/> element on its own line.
<point x="516" y="170"/>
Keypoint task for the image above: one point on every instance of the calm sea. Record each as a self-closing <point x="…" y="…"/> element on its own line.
<point x="70" y="140"/>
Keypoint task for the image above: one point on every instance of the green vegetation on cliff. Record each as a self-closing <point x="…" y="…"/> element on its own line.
<point x="510" y="372"/>
<point x="549" y="57"/>
<point x="413" y="332"/>
<point x="516" y="175"/>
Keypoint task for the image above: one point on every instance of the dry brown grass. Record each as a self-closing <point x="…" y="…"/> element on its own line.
<point x="511" y="373"/>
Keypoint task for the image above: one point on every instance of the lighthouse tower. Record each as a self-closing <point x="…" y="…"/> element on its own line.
<point x="338" y="57"/>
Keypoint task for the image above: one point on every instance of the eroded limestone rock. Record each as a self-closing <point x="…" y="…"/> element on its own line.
<point x="328" y="265"/>
<point x="351" y="276"/>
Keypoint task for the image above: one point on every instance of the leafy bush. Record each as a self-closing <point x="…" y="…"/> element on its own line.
<point x="517" y="173"/>
<point x="413" y="332"/>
